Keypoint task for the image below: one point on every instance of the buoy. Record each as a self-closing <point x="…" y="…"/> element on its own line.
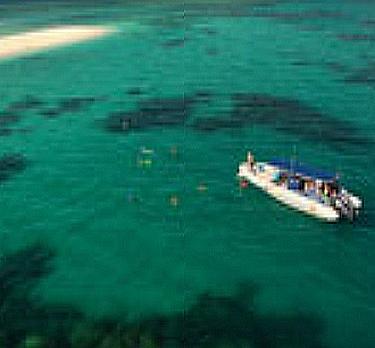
<point x="146" y="151"/>
<point x="132" y="197"/>
<point x="202" y="188"/>
<point x="173" y="150"/>
<point x="244" y="184"/>
<point x="144" y="162"/>
<point x="174" y="201"/>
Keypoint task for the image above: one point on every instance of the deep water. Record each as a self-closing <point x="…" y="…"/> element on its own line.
<point x="122" y="223"/>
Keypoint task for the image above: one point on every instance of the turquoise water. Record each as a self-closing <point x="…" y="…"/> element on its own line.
<point x="133" y="235"/>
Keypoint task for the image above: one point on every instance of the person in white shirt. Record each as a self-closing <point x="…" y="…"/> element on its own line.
<point x="250" y="161"/>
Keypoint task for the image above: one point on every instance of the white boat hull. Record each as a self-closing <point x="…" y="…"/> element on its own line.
<point x="288" y="197"/>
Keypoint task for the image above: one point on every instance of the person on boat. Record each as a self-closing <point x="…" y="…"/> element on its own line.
<point x="306" y="186"/>
<point x="319" y="188"/>
<point x="250" y="161"/>
<point x="333" y="195"/>
<point x="283" y="180"/>
<point x="335" y="188"/>
<point x="301" y="184"/>
<point x="309" y="188"/>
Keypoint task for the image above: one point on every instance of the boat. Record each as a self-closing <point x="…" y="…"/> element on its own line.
<point x="304" y="188"/>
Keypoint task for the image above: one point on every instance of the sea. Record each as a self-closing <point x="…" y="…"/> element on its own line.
<point x="120" y="209"/>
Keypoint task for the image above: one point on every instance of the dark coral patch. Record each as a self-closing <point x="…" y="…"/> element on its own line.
<point x="211" y="321"/>
<point x="337" y="67"/>
<point x="20" y="316"/>
<point x="209" y="31"/>
<point x="174" y="108"/>
<point x="364" y="75"/>
<point x="19" y="270"/>
<point x="8" y="118"/>
<point x="298" y="16"/>
<point x="208" y="124"/>
<point x="361" y="77"/>
<point x="135" y="91"/>
<point x="83" y="16"/>
<point x="7" y="121"/>
<point x="11" y="114"/>
<point x="5" y="132"/>
<point x="29" y="102"/>
<point x="226" y="8"/>
<point x="203" y="96"/>
<point x="212" y="51"/>
<point x="234" y="321"/>
<point x="75" y="104"/>
<point x="11" y="164"/>
<point x="368" y="23"/>
<point x="296" y="118"/>
<point x="171" y="20"/>
<point x="172" y="43"/>
<point x="286" y="115"/>
<point x="301" y="63"/>
<point x="50" y="113"/>
<point x="70" y="105"/>
<point x="151" y="112"/>
<point x="356" y="37"/>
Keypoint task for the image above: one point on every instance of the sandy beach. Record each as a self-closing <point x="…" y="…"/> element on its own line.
<point x="33" y="41"/>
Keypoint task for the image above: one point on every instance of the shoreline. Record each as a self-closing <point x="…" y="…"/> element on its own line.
<point x="37" y="40"/>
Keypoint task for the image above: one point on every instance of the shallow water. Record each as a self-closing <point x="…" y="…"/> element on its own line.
<point x="134" y="237"/>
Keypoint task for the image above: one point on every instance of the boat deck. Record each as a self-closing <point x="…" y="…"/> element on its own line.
<point x="308" y="205"/>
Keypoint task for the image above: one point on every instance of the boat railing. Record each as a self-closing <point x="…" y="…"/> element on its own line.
<point x="263" y="168"/>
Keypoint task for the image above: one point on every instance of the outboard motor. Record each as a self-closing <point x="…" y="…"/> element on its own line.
<point x="348" y="205"/>
<point x="355" y="205"/>
<point x="356" y="202"/>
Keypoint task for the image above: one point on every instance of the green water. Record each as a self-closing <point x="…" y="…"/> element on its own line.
<point x="122" y="248"/>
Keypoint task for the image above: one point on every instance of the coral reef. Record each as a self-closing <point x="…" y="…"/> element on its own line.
<point x="11" y="164"/>
<point x="287" y="115"/>
<point x="212" y="321"/>
<point x="171" y="111"/>
<point x="70" y="105"/>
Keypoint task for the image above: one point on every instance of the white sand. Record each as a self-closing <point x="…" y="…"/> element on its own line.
<point x="33" y="41"/>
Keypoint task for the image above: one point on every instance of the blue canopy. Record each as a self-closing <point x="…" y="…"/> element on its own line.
<point x="301" y="169"/>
